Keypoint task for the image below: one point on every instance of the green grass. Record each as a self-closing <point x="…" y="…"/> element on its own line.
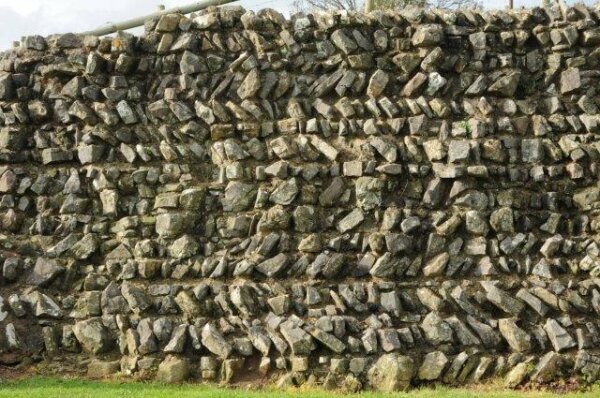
<point x="44" y="387"/>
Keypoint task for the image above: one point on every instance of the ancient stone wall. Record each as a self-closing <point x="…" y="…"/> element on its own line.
<point x="344" y="199"/>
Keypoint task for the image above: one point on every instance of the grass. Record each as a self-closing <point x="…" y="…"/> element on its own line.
<point x="45" y="387"/>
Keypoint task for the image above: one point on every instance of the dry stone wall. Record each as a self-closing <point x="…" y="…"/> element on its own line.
<point x="350" y="200"/>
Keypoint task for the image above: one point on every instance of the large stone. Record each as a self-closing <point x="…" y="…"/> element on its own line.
<point x="238" y="196"/>
<point x="45" y="272"/>
<point x="377" y="83"/>
<point x="250" y="85"/>
<point x="559" y="337"/>
<point x="502" y="299"/>
<point x="428" y="35"/>
<point x="274" y="265"/>
<point x="518" y="339"/>
<point x="173" y="370"/>
<point x="214" y="341"/>
<point x="93" y="336"/>
<point x="300" y="342"/>
<point x="433" y="366"/>
<point x="506" y="86"/>
<point x="7" y="87"/>
<point x="343" y="41"/>
<point x="369" y="193"/>
<point x="570" y="80"/>
<point x="169" y="225"/>
<point x="98" y="369"/>
<point x="392" y="372"/>
<point x="350" y="221"/>
<point x="437" y="331"/>
<point x="285" y="193"/>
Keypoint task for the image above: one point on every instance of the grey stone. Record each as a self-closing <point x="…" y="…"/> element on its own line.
<point x="559" y="337"/>
<point x="518" y="339"/>
<point x="214" y="341"/>
<point x="238" y="196"/>
<point x="93" y="335"/>
<point x="433" y="366"/>
<point x="45" y="272"/>
<point x="173" y="370"/>
<point x="392" y="372"/>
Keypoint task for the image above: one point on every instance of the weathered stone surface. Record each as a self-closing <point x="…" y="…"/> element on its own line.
<point x="433" y="366"/>
<point x="236" y="192"/>
<point x="517" y="338"/>
<point x="392" y="372"/>
<point x="213" y="340"/>
<point x="93" y="336"/>
<point x="559" y="337"/>
<point x="173" y="370"/>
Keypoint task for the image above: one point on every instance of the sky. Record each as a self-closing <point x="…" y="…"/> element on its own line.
<point x="26" y="17"/>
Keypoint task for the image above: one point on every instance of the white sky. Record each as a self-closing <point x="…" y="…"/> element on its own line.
<point x="26" y="17"/>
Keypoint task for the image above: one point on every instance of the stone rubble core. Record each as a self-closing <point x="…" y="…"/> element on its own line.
<point x="347" y="200"/>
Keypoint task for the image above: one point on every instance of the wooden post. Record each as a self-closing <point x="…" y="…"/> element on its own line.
<point x="510" y="4"/>
<point x="134" y="22"/>
<point x="368" y="6"/>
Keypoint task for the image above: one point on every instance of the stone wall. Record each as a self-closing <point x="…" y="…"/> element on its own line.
<point x="348" y="200"/>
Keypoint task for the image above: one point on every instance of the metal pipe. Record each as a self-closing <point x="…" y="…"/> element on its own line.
<point x="138" y="21"/>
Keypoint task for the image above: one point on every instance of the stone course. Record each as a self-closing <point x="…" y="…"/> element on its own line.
<point x="346" y="200"/>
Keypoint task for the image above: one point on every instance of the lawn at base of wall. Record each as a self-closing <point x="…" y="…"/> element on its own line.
<point x="44" y="387"/>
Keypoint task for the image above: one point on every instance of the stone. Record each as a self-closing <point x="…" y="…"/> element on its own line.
<point x="238" y="196"/>
<point x="505" y="86"/>
<point x="517" y="338"/>
<point x="214" y="341"/>
<point x="570" y="80"/>
<point x="93" y="336"/>
<point x="331" y="194"/>
<point x="433" y="365"/>
<point x="368" y="192"/>
<point x="273" y="266"/>
<point x="300" y="342"/>
<point x="98" y="369"/>
<point x="377" y="83"/>
<point x="184" y="247"/>
<point x="516" y="375"/>
<point x="45" y="272"/>
<point x="502" y="220"/>
<point x="173" y="370"/>
<point x="392" y="372"/>
<point x="7" y="87"/>
<point x="501" y="299"/>
<point x="328" y="340"/>
<point x="169" y="225"/>
<point x="436" y="330"/>
<point x="428" y="35"/>
<point x="559" y="337"/>
<point x="250" y="85"/>
<point x="436" y="265"/>
<point x="458" y="150"/>
<point x="285" y="193"/>
<point x="343" y="41"/>
<point x="350" y="221"/>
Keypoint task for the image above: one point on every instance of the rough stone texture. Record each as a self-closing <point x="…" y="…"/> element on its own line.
<point x="367" y="201"/>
